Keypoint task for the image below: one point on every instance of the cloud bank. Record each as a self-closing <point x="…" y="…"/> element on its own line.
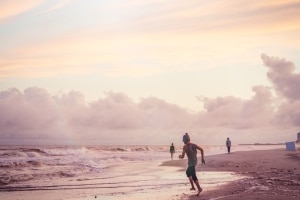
<point x="34" y="116"/>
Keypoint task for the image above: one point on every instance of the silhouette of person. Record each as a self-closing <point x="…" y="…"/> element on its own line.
<point x="190" y="150"/>
<point x="172" y="150"/>
<point x="228" y="144"/>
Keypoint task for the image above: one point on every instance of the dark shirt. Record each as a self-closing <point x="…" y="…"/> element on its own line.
<point x="172" y="149"/>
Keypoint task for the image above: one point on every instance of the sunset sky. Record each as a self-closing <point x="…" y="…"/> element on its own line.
<point x="146" y="72"/>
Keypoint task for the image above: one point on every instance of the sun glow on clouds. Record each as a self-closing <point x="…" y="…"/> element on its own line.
<point x="14" y="7"/>
<point x="184" y="35"/>
<point x="58" y="5"/>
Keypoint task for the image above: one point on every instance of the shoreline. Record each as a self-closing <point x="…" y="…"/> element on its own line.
<point x="269" y="174"/>
<point x="252" y="175"/>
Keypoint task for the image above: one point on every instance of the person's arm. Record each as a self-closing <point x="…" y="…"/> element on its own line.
<point x="183" y="152"/>
<point x="202" y="154"/>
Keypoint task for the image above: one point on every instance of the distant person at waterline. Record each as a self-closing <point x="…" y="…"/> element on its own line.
<point x="190" y="150"/>
<point x="228" y="144"/>
<point x="172" y="150"/>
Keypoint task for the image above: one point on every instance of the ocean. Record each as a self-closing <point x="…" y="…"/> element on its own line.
<point x="103" y="172"/>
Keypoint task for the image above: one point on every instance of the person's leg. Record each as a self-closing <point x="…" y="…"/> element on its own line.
<point x="189" y="175"/>
<point x="195" y="179"/>
<point x="198" y="187"/>
<point x="192" y="183"/>
<point x="228" y="149"/>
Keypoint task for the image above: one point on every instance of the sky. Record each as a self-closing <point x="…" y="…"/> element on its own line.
<point x="145" y="72"/>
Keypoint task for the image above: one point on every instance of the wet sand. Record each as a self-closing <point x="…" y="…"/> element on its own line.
<point x="269" y="174"/>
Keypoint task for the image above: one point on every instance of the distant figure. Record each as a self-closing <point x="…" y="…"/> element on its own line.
<point x="172" y="150"/>
<point x="228" y="144"/>
<point x="190" y="150"/>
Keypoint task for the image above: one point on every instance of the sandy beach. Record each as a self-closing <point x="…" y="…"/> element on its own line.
<point x="268" y="174"/>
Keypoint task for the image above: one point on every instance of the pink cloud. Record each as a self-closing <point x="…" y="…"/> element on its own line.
<point x="237" y="113"/>
<point x="283" y="76"/>
<point x="34" y="114"/>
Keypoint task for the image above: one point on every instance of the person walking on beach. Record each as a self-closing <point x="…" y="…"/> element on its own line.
<point x="190" y="150"/>
<point x="228" y="144"/>
<point x="172" y="150"/>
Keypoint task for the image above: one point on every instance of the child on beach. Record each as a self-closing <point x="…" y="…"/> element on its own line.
<point x="190" y="150"/>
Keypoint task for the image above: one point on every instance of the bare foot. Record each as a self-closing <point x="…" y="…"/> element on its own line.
<point x="199" y="191"/>
<point x="192" y="188"/>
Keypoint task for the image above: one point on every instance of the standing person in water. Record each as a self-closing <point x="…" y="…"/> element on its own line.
<point x="228" y="144"/>
<point x="172" y="150"/>
<point x="190" y="150"/>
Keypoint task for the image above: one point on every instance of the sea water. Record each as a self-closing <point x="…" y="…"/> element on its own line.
<point x="103" y="172"/>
